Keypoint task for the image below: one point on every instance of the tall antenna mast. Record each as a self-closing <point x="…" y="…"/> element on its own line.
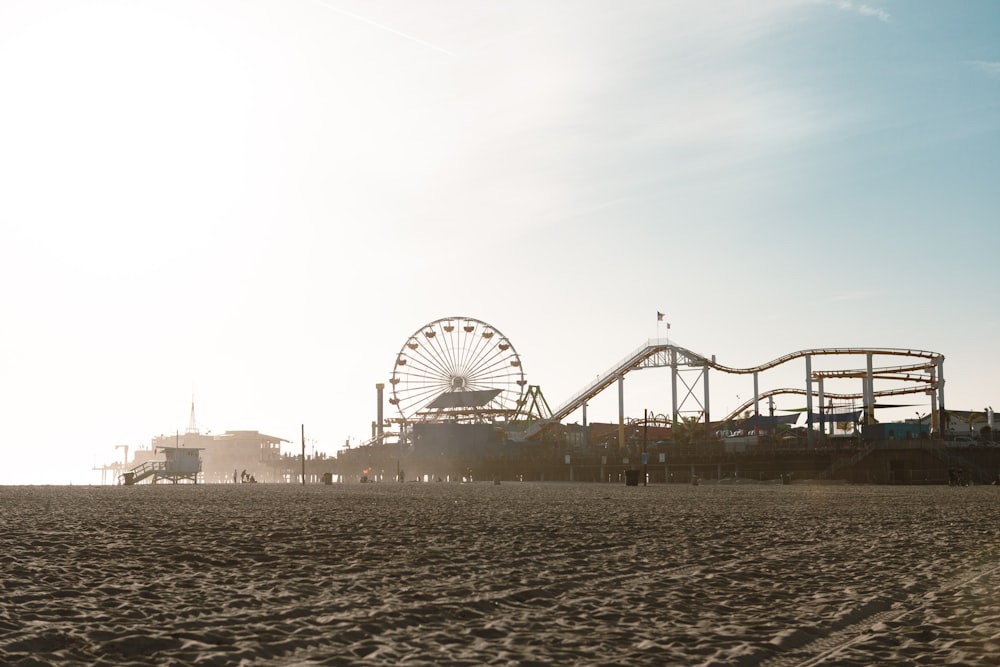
<point x="192" y="424"/>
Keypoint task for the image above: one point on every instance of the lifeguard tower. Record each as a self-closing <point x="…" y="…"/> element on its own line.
<point x="179" y="463"/>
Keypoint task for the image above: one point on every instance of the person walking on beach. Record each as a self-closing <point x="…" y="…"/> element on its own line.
<point x="234" y="475"/>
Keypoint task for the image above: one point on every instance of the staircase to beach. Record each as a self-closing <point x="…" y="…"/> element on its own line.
<point x="971" y="470"/>
<point x="846" y="462"/>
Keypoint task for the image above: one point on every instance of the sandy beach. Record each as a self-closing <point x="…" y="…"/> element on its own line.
<point x="515" y="574"/>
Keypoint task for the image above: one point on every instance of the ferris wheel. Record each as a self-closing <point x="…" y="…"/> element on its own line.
<point x="457" y="369"/>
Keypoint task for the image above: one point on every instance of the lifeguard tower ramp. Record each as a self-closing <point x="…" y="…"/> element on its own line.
<point x="180" y="463"/>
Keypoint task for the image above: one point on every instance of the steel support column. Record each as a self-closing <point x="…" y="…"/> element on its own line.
<point x="704" y="382"/>
<point x="943" y="411"/>
<point x="756" y="402"/>
<point x="621" y="412"/>
<point x="869" y="391"/>
<point x="822" y="408"/>
<point x="673" y="390"/>
<point x="809" y="400"/>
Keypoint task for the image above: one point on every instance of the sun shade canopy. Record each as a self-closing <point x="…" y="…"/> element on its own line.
<point x="463" y="399"/>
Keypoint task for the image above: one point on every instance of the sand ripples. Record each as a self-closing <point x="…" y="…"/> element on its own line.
<point x="513" y="574"/>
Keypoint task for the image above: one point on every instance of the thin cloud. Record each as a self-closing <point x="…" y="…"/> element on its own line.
<point x="990" y="68"/>
<point x="859" y="9"/>
<point x="386" y="28"/>
<point x="874" y="12"/>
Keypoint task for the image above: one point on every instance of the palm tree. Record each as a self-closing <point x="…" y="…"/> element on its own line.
<point x="690" y="428"/>
<point x="972" y="419"/>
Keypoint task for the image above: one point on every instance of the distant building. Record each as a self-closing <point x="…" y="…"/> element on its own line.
<point x="956" y="423"/>
<point x="230" y="452"/>
<point x="968" y="422"/>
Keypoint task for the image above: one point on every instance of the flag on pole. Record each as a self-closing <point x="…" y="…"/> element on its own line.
<point x="659" y="316"/>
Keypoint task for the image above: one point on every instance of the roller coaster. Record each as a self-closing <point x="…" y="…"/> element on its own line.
<point x="925" y="375"/>
<point x="463" y="370"/>
<point x="466" y="411"/>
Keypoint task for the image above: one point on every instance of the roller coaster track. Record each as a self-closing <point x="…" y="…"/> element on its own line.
<point x="660" y="353"/>
<point x="838" y="396"/>
<point x="932" y="358"/>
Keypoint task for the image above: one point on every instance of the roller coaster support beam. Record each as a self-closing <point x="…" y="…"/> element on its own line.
<point x="822" y="407"/>
<point x="704" y="383"/>
<point x="809" y="401"/>
<point x="756" y="403"/>
<point x="621" y="411"/>
<point x="586" y="437"/>
<point x="673" y="389"/>
<point x="935" y="431"/>
<point x="942" y="411"/>
<point x="869" y="392"/>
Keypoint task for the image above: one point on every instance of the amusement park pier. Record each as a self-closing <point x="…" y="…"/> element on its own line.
<point x="461" y="409"/>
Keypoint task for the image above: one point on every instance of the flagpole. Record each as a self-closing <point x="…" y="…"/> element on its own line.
<point x="659" y="318"/>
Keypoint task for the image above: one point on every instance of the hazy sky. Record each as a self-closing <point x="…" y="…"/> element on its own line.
<point x="256" y="202"/>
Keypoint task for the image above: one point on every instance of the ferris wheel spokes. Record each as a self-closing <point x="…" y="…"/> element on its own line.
<point x="462" y="356"/>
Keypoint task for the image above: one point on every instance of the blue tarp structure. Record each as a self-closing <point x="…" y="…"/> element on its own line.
<point x="853" y="417"/>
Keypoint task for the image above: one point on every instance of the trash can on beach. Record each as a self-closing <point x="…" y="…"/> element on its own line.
<point x="631" y="478"/>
